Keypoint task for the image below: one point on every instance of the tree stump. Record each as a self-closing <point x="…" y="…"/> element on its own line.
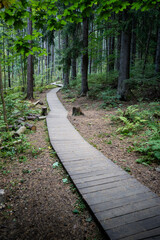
<point x="44" y="111"/>
<point x="76" y="111"/>
<point x="30" y="126"/>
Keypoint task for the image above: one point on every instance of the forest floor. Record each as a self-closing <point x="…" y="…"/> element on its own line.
<point x="39" y="204"/>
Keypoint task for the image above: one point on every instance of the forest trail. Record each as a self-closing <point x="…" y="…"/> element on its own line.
<point x="124" y="207"/>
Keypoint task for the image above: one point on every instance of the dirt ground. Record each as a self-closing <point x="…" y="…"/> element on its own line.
<point x="38" y="204"/>
<point x="96" y="127"/>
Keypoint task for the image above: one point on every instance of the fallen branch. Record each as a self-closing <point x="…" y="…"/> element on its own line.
<point x="32" y="118"/>
<point x="37" y="102"/>
<point x="41" y="117"/>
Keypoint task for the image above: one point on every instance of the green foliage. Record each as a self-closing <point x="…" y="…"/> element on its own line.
<point x="131" y="119"/>
<point x="144" y="119"/>
<point x="80" y="205"/>
<point x="9" y="149"/>
<point x="144" y="85"/>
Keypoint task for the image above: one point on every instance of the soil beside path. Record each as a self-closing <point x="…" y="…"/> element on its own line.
<point x="39" y="205"/>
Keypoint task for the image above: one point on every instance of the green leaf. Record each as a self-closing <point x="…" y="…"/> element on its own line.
<point x="75" y="211"/>
<point x="89" y="219"/>
<point x="56" y="164"/>
<point x="65" y="180"/>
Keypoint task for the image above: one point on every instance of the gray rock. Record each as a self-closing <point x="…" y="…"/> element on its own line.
<point x="158" y="169"/>
<point x="1" y="196"/>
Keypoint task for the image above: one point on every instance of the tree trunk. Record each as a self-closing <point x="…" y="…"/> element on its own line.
<point x="157" y="63"/>
<point x="38" y="66"/>
<point x="2" y="97"/>
<point x="52" y="61"/>
<point x="22" y="70"/>
<point x="67" y="62"/>
<point x="84" y="86"/>
<point x="111" y="43"/>
<point x="118" y="51"/>
<point x="74" y="68"/>
<point x="133" y="41"/>
<point x="147" y="49"/>
<point x="124" y="72"/>
<point x="48" y="61"/>
<point x="4" y="61"/>
<point x="9" y="72"/>
<point x="42" y="45"/>
<point x="30" y="62"/>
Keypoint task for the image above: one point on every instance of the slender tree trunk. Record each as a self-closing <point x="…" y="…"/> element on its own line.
<point x="67" y="62"/>
<point x="118" y="51"/>
<point x="124" y="72"/>
<point x="2" y="97"/>
<point x="52" y="60"/>
<point x="91" y="53"/>
<point x="9" y="72"/>
<point x="22" y="69"/>
<point x="30" y="63"/>
<point x="84" y="86"/>
<point x="157" y="63"/>
<point x="74" y="68"/>
<point x="39" y="66"/>
<point x="133" y="41"/>
<point x="48" y="61"/>
<point x="111" y="44"/>
<point x="4" y="61"/>
<point x="42" y="45"/>
<point x="147" y="50"/>
<point x="45" y="61"/>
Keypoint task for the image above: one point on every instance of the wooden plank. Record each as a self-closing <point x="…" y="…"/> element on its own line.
<point x="111" y="179"/>
<point x="115" y="203"/>
<point x="110" y="196"/>
<point x="129" y="208"/>
<point x="129" y="218"/>
<point x="82" y="178"/>
<point x="107" y="185"/>
<point x="134" y="228"/>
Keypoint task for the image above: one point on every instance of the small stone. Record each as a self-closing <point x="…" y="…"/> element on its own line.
<point x="158" y="169"/>
<point x="1" y="195"/>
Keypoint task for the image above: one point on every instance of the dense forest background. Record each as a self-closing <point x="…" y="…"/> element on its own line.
<point x="111" y="48"/>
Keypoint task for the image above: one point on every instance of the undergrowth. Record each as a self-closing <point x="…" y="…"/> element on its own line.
<point x="142" y="120"/>
<point x="16" y="107"/>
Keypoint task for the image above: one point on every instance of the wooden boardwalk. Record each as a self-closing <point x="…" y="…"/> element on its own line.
<point x="124" y="207"/>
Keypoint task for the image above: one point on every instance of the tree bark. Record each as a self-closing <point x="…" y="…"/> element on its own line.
<point x="30" y="63"/>
<point x="3" y="102"/>
<point x="42" y="45"/>
<point x="9" y="72"/>
<point x="147" y="49"/>
<point x="133" y="41"/>
<point x="67" y="62"/>
<point x="157" y="63"/>
<point x="84" y="85"/>
<point x="74" y="68"/>
<point x="118" y="51"/>
<point x="4" y="61"/>
<point x="124" y="72"/>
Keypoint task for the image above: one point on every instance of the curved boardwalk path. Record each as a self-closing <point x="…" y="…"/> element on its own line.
<point x="124" y="207"/>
